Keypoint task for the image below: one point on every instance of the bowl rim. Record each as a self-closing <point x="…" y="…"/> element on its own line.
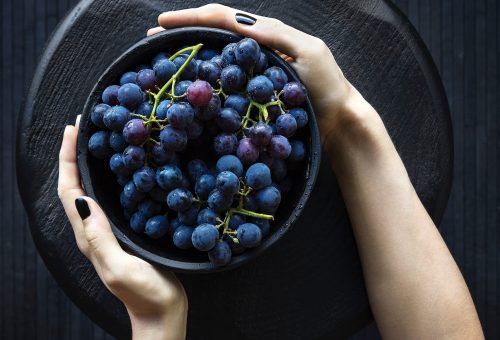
<point x="313" y="164"/>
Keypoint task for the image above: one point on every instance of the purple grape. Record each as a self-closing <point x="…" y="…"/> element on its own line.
<point x="279" y="147"/>
<point x="199" y="93"/>
<point x="228" y="120"/>
<point x="162" y="109"/>
<point x="117" y="165"/>
<point x="134" y="157"/>
<point x="163" y="70"/>
<point x="260" y="134"/>
<point x="156" y="227"/>
<point x="191" y="69"/>
<point x="130" y="96"/>
<point x="189" y="216"/>
<point x="218" y="60"/>
<point x="116" y="117"/>
<point x="163" y="156"/>
<point x="144" y="179"/>
<point x="261" y="64"/>
<point x="219" y="202"/>
<point x="169" y="177"/>
<point x="146" y="79"/>
<point x="206" y="54"/>
<point x="209" y="71"/>
<point x="286" y="125"/>
<point x="131" y="192"/>
<point x="247" y="151"/>
<point x="205" y="237"/>
<point x="110" y="95"/>
<point x="300" y="116"/>
<point x="159" y="57"/>
<point x="260" y="89"/>
<point x="298" y="152"/>
<point x="182" y="237"/>
<point x="128" y="78"/>
<point x="173" y="139"/>
<point x="138" y="222"/>
<point x="258" y="176"/>
<point x="136" y="132"/>
<point x="247" y="53"/>
<point x="207" y="215"/>
<point x="229" y="163"/>
<point x="277" y="76"/>
<point x="126" y="202"/>
<point x="225" y="143"/>
<point x="228" y="57"/>
<point x="238" y="102"/>
<point x="268" y="199"/>
<point x="99" y="145"/>
<point x="179" y="199"/>
<point x="294" y="94"/>
<point x="97" y="115"/>
<point x="180" y="115"/>
<point x="236" y="221"/>
<point x="204" y="185"/>
<point x="144" y="109"/>
<point x="249" y="235"/>
<point x="227" y="183"/>
<point x="232" y="79"/>
<point x="181" y="87"/>
<point x="220" y="254"/>
<point x="209" y="111"/>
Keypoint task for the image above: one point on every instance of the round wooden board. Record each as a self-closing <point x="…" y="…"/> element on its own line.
<point x="310" y="285"/>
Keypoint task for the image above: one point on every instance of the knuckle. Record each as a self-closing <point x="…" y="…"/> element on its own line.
<point x="213" y="7"/>
<point x="276" y="23"/>
<point x="319" y="44"/>
<point x="113" y="279"/>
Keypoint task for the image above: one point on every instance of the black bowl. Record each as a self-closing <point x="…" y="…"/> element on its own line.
<point x="100" y="183"/>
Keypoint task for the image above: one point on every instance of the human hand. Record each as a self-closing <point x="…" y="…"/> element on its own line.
<point x="331" y="94"/>
<point x="155" y="299"/>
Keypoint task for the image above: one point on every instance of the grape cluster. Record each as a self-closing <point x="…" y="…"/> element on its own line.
<point x="200" y="142"/>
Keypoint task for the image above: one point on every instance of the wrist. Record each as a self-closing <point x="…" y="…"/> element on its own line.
<point x="170" y="325"/>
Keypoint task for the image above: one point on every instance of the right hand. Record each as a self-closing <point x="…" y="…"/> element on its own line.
<point x="309" y="56"/>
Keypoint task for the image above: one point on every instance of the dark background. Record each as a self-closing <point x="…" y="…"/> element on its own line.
<point x="464" y="41"/>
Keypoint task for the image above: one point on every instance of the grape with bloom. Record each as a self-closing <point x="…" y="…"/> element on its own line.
<point x="203" y="144"/>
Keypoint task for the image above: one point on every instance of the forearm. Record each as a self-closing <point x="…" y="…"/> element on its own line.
<point x="171" y="326"/>
<point x="415" y="288"/>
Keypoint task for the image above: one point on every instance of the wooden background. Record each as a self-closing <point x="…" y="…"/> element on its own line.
<point x="464" y="41"/>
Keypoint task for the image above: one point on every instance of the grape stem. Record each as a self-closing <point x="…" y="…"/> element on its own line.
<point x="250" y="213"/>
<point x="194" y="50"/>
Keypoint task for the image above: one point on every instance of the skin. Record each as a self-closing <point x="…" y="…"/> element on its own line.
<point x="415" y="288"/>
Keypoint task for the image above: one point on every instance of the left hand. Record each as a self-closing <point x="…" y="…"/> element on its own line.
<point x="155" y="299"/>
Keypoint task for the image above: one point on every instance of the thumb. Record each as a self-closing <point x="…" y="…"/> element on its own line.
<point x="103" y="249"/>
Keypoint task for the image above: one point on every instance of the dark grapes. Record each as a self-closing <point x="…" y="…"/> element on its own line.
<point x="99" y="145"/>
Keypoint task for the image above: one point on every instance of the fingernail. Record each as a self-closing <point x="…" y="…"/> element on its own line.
<point x="82" y="207"/>
<point x="245" y="19"/>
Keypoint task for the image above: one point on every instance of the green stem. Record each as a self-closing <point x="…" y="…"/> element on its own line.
<point x="250" y="213"/>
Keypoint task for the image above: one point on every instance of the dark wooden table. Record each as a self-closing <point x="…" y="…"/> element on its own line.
<point x="380" y="23"/>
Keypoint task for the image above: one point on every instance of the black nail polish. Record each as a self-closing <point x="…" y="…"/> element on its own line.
<point x="245" y="19"/>
<point x="82" y="207"/>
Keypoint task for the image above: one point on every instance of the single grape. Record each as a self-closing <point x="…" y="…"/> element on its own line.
<point x="237" y="102"/>
<point x="258" y="176"/>
<point x="174" y="224"/>
<point x="209" y="71"/>
<point x="159" y="57"/>
<point x="277" y="76"/>
<point x="182" y="237"/>
<point x="169" y="177"/>
<point x="191" y="69"/>
<point x="228" y="57"/>
<point x="194" y="129"/>
<point x="286" y="125"/>
<point x="181" y="87"/>
<point x="268" y="199"/>
<point x="204" y="185"/>
<point x="179" y="199"/>
<point x="236" y="221"/>
<point x="97" y="115"/>
<point x="219" y="202"/>
<point x="225" y="143"/>
<point x="229" y="163"/>
<point x="279" y="147"/>
<point x="128" y="78"/>
<point x="173" y="139"/>
<point x="264" y="225"/>
<point x="110" y="95"/>
<point x="134" y="157"/>
<point x="131" y="192"/>
<point x="294" y="94"/>
<point x="144" y="179"/>
<point x="260" y="134"/>
<point x="136" y="132"/>
<point x="298" y="152"/>
<point x="158" y="194"/>
<point x="138" y="222"/>
<point x="228" y="120"/>
<point x="126" y="202"/>
<point x="163" y="71"/>
<point x="206" y="53"/>
<point x="207" y="215"/>
<point x="145" y="109"/>
<point x="146" y="79"/>
<point x="196" y="168"/>
<point x="161" y="110"/>
<point x="249" y="235"/>
<point x="130" y="95"/>
<point x="189" y="216"/>
<point x="116" y="117"/>
<point x="220" y="254"/>
<point x="227" y="183"/>
<point x="218" y="60"/>
<point x="156" y="226"/>
<point x="247" y="53"/>
<point x="261" y="64"/>
<point x="162" y="156"/>
<point x="209" y="111"/>
<point x="150" y="208"/>
<point x="232" y="79"/>
<point x="260" y="89"/>
<point x="99" y="145"/>
<point x="205" y="236"/>
<point x="117" y="165"/>
<point x="180" y="115"/>
<point x="199" y="93"/>
<point x="247" y="151"/>
<point x="300" y="116"/>
<point x="278" y="169"/>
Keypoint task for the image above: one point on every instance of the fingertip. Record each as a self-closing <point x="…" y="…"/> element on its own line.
<point x="77" y="122"/>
